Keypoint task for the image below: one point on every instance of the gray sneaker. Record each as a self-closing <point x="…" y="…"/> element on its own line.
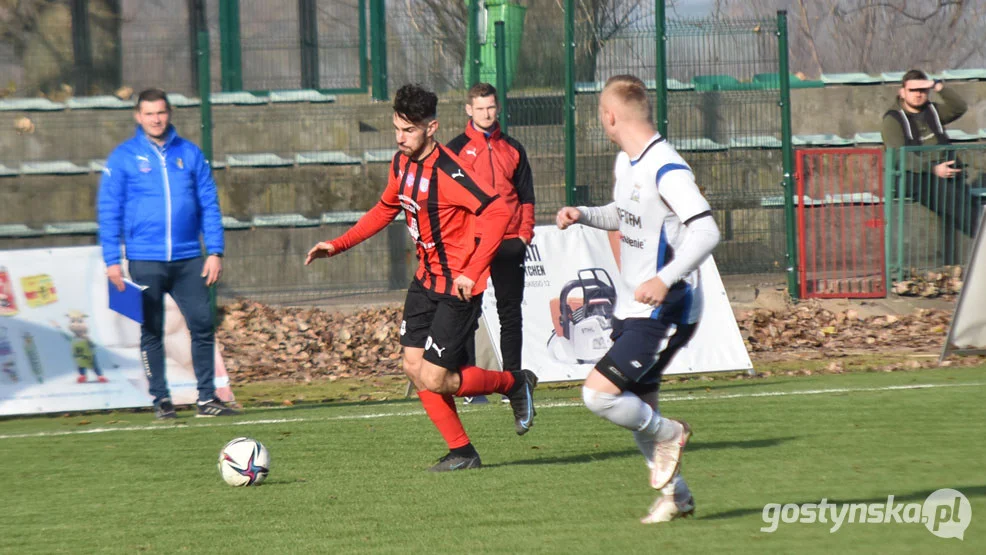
<point x="213" y="407"/>
<point x="165" y="409"/>
<point x="522" y="400"/>
<point x="452" y="462"/>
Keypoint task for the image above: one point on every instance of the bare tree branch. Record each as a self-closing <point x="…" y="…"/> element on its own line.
<point x="878" y="35"/>
<point x="806" y="27"/>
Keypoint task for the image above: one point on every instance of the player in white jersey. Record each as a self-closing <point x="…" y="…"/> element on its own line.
<point x="666" y="231"/>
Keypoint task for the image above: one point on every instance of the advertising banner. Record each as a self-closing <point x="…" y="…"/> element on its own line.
<point x="63" y="349"/>
<point x="967" y="333"/>
<point x="570" y="290"/>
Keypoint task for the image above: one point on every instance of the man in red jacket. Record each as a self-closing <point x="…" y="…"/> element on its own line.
<point x="502" y="161"/>
<point x="447" y="208"/>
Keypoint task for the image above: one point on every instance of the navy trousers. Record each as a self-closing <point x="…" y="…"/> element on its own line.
<point x="183" y="280"/>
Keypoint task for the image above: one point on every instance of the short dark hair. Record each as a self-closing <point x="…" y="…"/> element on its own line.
<point x="480" y="90"/>
<point x="914" y="75"/>
<point x="415" y="104"/>
<point x="152" y="95"/>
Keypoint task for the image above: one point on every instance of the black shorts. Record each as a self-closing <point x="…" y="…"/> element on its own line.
<point x="440" y="324"/>
<point x="642" y="349"/>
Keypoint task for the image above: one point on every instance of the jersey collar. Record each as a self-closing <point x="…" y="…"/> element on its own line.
<point x="653" y="141"/>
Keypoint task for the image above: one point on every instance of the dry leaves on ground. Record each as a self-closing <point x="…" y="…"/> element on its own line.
<point x="261" y="342"/>
<point x="931" y="284"/>
<point x="808" y="326"/>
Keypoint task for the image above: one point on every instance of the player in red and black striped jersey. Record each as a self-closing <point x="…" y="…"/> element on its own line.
<point x="457" y="222"/>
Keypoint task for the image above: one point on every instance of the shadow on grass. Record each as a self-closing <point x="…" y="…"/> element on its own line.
<point x="747" y="444"/>
<point x="604" y="455"/>
<point x="572" y="459"/>
<point x="912" y="497"/>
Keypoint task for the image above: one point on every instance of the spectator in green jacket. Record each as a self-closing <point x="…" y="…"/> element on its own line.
<point x="915" y="120"/>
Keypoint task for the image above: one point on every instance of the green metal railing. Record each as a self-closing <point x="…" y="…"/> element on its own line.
<point x="933" y="220"/>
<point x="734" y="132"/>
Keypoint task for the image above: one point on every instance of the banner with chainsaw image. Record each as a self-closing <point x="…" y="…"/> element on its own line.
<point x="570" y="291"/>
<point x="63" y="349"/>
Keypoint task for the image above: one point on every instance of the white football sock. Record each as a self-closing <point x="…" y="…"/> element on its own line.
<point x="667" y="429"/>
<point x="645" y="442"/>
<point x="677" y="488"/>
<point x="625" y="410"/>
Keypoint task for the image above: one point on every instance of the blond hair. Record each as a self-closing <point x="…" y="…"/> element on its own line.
<point x="631" y="92"/>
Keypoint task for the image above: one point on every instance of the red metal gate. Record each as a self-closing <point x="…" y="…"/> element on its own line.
<point x="841" y="223"/>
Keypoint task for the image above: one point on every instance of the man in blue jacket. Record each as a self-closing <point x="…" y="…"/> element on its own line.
<point x="156" y="198"/>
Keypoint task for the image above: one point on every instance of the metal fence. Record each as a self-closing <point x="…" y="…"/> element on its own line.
<point x="933" y="221"/>
<point x="296" y="158"/>
<point x="724" y="117"/>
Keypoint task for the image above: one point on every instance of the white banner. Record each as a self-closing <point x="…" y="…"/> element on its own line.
<point x="570" y="290"/>
<point x="55" y="320"/>
<point x="967" y="334"/>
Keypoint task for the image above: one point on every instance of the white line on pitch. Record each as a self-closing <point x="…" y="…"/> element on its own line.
<point x="558" y="404"/>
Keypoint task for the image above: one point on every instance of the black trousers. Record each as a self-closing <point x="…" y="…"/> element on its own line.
<point x="507" y="271"/>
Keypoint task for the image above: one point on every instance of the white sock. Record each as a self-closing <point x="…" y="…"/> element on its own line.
<point x="625" y="410"/>
<point x="678" y="489"/>
<point x="645" y="442"/>
<point x="667" y="429"/>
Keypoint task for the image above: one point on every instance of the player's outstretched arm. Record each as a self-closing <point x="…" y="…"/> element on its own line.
<point x="602" y="217"/>
<point x="377" y="218"/>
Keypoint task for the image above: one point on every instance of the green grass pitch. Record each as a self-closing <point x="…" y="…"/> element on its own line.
<point x="350" y="477"/>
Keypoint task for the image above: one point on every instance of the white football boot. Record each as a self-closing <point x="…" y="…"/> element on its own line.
<point x="665" y="509"/>
<point x="667" y="454"/>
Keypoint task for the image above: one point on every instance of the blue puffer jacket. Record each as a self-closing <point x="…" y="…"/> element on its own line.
<point x="158" y="201"/>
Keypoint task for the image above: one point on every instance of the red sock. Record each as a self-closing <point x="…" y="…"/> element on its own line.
<point x="441" y="411"/>
<point x="476" y="381"/>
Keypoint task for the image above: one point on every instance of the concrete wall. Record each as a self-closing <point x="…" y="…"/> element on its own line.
<point x="735" y="180"/>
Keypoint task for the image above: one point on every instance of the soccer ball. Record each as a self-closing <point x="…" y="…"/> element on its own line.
<point x="244" y="462"/>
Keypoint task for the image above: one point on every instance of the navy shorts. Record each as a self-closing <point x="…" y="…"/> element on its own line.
<point x="440" y="324"/>
<point x="642" y="349"/>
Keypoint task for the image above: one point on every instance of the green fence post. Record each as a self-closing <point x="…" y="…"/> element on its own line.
<point x="791" y="262"/>
<point x="229" y="45"/>
<point x="472" y="44"/>
<point x="661" y="72"/>
<point x="378" y="48"/>
<point x="500" y="45"/>
<point x="81" y="47"/>
<point x="364" y="78"/>
<point x="308" y="38"/>
<point x="570" y="102"/>
<point x="204" y="85"/>
<point x="901" y="169"/>
<point x="889" y="196"/>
